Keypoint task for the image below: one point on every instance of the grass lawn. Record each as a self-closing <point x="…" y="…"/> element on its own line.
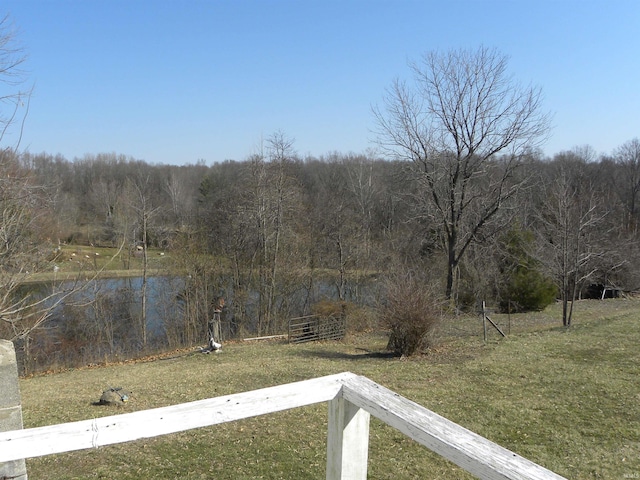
<point x="567" y="399"/>
<point x="84" y="262"/>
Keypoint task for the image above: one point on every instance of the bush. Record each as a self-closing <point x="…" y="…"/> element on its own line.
<point x="411" y="311"/>
<point x="330" y="308"/>
<point x="523" y="288"/>
<point x="359" y="318"/>
<point x="528" y="290"/>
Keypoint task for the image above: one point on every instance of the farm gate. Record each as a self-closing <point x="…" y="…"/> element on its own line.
<point x="312" y="328"/>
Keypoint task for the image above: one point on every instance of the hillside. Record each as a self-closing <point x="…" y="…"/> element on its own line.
<point x="568" y="400"/>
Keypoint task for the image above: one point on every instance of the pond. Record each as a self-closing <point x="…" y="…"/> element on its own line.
<point x="103" y="320"/>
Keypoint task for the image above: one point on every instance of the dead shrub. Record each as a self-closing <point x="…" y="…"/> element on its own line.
<point x="330" y="308"/>
<point x="411" y="311"/>
<point x="358" y="318"/>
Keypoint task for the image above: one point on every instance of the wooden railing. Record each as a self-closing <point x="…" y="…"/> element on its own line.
<point x="351" y="400"/>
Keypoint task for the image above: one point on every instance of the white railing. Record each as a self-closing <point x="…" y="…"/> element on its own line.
<point x="351" y="400"/>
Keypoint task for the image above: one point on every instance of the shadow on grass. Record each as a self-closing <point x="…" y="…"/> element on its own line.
<point x="335" y="355"/>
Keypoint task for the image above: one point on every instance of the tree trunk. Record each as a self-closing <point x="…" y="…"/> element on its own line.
<point x="143" y="292"/>
<point x="452" y="263"/>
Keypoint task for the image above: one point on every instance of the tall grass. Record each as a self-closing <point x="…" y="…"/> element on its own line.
<point x="567" y="399"/>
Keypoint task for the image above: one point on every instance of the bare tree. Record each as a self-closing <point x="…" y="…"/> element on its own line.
<point x="274" y="196"/>
<point x="20" y="255"/>
<point x="23" y="201"/>
<point x="280" y="148"/>
<point x="176" y="187"/>
<point x="12" y="96"/>
<point x="628" y="180"/>
<point x="461" y="113"/>
<point x="335" y="221"/>
<point x="569" y="227"/>
<point x="141" y="205"/>
<point x="25" y="305"/>
<point x="363" y="188"/>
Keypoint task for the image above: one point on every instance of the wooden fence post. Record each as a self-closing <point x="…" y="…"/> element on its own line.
<point x="347" y="441"/>
<point x="10" y="407"/>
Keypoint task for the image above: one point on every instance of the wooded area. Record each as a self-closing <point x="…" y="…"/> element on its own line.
<point x="280" y="220"/>
<point x="457" y="196"/>
<point x="265" y="233"/>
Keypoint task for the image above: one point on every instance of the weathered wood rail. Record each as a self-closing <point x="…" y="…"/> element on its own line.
<point x="351" y="400"/>
<point x="10" y="407"/>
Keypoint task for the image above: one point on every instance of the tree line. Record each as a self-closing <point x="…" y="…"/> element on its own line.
<point x="456" y="194"/>
<point x="267" y="232"/>
<point x="572" y="219"/>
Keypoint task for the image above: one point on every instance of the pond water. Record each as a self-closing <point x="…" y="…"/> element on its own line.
<point x="102" y="320"/>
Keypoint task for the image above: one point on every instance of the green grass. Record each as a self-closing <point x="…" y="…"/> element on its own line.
<point x="569" y="400"/>
<point x="76" y="261"/>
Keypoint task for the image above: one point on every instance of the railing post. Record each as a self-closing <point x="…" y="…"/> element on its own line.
<point x="347" y="441"/>
<point x="10" y="407"/>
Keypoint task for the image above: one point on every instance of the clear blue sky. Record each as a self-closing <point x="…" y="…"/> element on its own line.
<point x="175" y="81"/>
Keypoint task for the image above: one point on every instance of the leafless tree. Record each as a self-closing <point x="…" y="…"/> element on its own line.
<point x="14" y="99"/>
<point x="335" y="221"/>
<point x="628" y="180"/>
<point x="273" y="198"/>
<point x="569" y="226"/>
<point x="25" y="204"/>
<point x="176" y="188"/>
<point x="144" y="212"/>
<point x="462" y="112"/>
<point x="22" y="200"/>
<point x="29" y="247"/>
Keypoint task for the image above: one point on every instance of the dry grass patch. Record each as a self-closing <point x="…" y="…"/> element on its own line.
<point x="569" y="400"/>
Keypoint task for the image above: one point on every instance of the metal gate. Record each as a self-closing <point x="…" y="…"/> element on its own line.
<point x="311" y="328"/>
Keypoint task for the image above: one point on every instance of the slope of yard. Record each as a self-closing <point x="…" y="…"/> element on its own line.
<point x="569" y="400"/>
<point x="75" y="262"/>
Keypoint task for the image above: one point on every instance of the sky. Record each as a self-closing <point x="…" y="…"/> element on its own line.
<point x="185" y="81"/>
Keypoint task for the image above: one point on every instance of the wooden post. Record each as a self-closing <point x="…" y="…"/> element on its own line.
<point x="10" y="407"/>
<point x="347" y="441"/>
<point x="484" y="321"/>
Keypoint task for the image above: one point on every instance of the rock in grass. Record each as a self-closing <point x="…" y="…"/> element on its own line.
<point x="113" y="396"/>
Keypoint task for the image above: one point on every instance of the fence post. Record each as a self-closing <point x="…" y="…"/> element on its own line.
<point x="347" y="441"/>
<point x="10" y="407"/>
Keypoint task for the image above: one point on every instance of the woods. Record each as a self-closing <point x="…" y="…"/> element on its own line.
<point x="275" y="225"/>
<point x="276" y="235"/>
<point x="457" y="197"/>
